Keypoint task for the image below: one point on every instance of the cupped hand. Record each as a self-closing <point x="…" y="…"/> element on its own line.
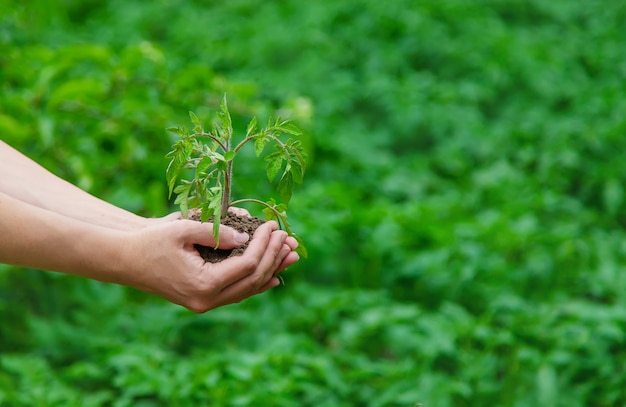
<point x="161" y="259"/>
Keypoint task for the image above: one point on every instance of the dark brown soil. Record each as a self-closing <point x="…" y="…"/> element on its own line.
<point x="241" y="223"/>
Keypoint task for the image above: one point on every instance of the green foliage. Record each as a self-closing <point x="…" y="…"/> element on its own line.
<point x="464" y="206"/>
<point x="212" y="165"/>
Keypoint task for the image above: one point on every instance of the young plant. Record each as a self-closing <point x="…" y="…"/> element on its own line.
<point x="211" y="155"/>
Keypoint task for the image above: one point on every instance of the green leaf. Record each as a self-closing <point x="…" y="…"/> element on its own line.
<point x="229" y="155"/>
<point x="274" y="163"/>
<point x="178" y="161"/>
<point x="194" y="119"/>
<point x="204" y="164"/>
<point x="226" y="128"/>
<point x="296" y="171"/>
<point x="251" y="127"/>
<point x="216" y="157"/>
<point x="269" y="214"/>
<point x="205" y="211"/>
<point x="285" y="188"/>
<point x="287" y="127"/>
<point x="197" y="123"/>
<point x="182" y="198"/>
<point x="178" y="130"/>
<point x="259" y="144"/>
<point x="222" y="166"/>
<point x="301" y="249"/>
<point x="215" y="205"/>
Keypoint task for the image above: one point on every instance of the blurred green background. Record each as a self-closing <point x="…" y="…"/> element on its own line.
<point x="464" y="208"/>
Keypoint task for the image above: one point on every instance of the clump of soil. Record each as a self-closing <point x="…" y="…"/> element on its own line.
<point x="246" y="224"/>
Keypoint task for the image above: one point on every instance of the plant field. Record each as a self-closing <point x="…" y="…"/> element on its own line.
<point x="464" y="206"/>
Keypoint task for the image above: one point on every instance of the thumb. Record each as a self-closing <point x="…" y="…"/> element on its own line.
<point x="202" y="234"/>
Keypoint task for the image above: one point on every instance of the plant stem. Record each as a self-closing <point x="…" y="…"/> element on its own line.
<point x="279" y="216"/>
<point x="228" y="176"/>
<point x="242" y="143"/>
<point x="215" y="139"/>
<point x="227" y="187"/>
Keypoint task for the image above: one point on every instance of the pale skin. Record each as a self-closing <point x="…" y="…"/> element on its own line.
<point x="50" y="224"/>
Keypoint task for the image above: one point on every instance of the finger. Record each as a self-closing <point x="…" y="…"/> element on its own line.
<point x="225" y="299"/>
<point x="254" y="282"/>
<point x="239" y="211"/>
<point x="276" y="251"/>
<point x="236" y="293"/>
<point x="275" y="281"/>
<point x="292" y="242"/>
<point x="202" y="234"/>
<point x="288" y="261"/>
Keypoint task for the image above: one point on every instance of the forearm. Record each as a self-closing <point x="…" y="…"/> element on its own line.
<point x="27" y="181"/>
<point x="34" y="237"/>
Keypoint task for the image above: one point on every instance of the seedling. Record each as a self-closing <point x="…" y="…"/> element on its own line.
<point x="210" y="157"/>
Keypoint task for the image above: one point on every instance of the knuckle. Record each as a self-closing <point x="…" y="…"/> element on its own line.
<point x="256" y="282"/>
<point x="250" y="263"/>
<point x="276" y="252"/>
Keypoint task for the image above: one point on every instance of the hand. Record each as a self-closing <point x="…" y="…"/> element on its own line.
<point x="161" y="259"/>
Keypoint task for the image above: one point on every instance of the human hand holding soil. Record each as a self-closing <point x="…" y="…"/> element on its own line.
<point x="44" y="227"/>
<point x="172" y="268"/>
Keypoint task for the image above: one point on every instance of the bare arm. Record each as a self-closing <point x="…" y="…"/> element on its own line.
<point x="27" y="181"/>
<point x="35" y="237"/>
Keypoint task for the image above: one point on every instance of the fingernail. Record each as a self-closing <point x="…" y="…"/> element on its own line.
<point x="241" y="238"/>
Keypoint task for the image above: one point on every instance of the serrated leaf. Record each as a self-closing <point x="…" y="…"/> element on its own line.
<point x="214" y="206"/>
<point x="289" y="128"/>
<point x="218" y="132"/>
<point x="182" y="198"/>
<point x="204" y="164"/>
<point x="224" y="116"/>
<point x="217" y="219"/>
<point x="205" y="212"/>
<point x="296" y="172"/>
<point x="259" y="145"/>
<point x="197" y="123"/>
<point x="216" y="156"/>
<point x="251" y="127"/>
<point x="178" y="130"/>
<point x="287" y="169"/>
<point x="184" y="185"/>
<point x="281" y="208"/>
<point x="193" y="201"/>
<point x="269" y="214"/>
<point x="285" y="188"/>
<point x="194" y="119"/>
<point x="178" y="161"/>
<point x="274" y="163"/>
<point x="301" y="249"/>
